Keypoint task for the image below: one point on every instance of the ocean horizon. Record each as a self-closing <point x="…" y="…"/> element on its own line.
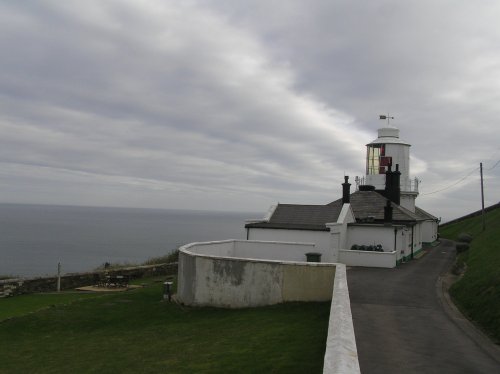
<point x="35" y="238"/>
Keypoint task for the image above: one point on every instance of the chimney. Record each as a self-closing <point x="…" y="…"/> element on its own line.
<point x="388" y="183"/>
<point x="396" y="187"/>
<point x="388" y="212"/>
<point x="346" y="191"/>
<point x="392" y="187"/>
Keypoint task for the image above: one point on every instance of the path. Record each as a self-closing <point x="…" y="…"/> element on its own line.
<point x="400" y="323"/>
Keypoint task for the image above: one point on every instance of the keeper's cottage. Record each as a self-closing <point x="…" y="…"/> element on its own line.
<point x="377" y="225"/>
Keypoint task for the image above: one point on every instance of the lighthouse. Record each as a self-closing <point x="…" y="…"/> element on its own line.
<point x="388" y="152"/>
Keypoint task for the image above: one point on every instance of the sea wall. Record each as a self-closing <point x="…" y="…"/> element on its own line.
<point x="19" y="286"/>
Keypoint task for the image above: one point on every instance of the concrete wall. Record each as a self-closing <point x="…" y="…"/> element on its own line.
<point x="206" y="280"/>
<point x="321" y="239"/>
<point x="368" y="259"/>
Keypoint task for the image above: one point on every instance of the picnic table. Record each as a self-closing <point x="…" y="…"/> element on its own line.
<point x="114" y="281"/>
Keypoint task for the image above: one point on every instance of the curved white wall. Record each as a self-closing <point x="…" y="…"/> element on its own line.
<point x="207" y="278"/>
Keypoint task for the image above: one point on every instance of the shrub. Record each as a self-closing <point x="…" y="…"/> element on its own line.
<point x="166" y="259"/>
<point x="465" y="237"/>
<point x="368" y="248"/>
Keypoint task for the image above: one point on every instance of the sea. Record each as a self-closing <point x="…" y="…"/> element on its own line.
<point x="35" y="238"/>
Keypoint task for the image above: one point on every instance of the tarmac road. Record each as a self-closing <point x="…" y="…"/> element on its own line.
<point x="403" y="325"/>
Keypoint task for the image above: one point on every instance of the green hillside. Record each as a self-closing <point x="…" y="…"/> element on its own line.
<point x="477" y="293"/>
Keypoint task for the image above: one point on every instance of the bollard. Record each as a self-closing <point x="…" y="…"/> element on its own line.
<point x="167" y="291"/>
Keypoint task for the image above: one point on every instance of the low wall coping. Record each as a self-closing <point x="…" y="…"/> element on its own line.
<point x="243" y="241"/>
<point x="300" y="263"/>
<point x="185" y="250"/>
<point x="341" y="355"/>
<point x="369" y="252"/>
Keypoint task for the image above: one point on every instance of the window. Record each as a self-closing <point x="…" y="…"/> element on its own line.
<point x="376" y="160"/>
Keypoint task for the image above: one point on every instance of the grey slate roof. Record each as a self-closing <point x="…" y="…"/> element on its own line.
<point x="300" y="217"/>
<point x="364" y="204"/>
<point x="423" y="215"/>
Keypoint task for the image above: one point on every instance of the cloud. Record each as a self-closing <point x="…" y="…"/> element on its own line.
<point x="223" y="105"/>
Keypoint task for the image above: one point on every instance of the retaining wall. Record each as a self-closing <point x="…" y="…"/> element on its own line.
<point x="18" y="286"/>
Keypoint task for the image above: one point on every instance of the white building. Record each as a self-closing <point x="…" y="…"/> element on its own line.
<point x="377" y="225"/>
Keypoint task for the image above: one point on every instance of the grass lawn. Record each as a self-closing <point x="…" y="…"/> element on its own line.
<point x="477" y="293"/>
<point x="24" y="304"/>
<point x="136" y="332"/>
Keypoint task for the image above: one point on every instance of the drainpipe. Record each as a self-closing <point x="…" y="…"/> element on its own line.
<point x="396" y="186"/>
<point x="395" y="237"/>
<point x="411" y="255"/>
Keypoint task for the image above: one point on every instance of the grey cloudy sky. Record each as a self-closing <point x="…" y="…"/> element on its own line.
<point x="233" y="105"/>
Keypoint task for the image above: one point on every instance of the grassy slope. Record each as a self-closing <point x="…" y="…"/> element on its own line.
<point x="135" y="332"/>
<point x="477" y="293"/>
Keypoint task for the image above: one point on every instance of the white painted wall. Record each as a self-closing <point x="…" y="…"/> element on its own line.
<point x="417" y="238"/>
<point x="429" y="231"/>
<point x="321" y="239"/>
<point x="373" y="235"/>
<point x="408" y="201"/>
<point x="280" y="251"/>
<point x="368" y="259"/>
<point x="254" y="249"/>
<point x="215" y="248"/>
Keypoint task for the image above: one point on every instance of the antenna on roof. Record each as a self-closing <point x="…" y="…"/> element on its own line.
<point x="387" y="117"/>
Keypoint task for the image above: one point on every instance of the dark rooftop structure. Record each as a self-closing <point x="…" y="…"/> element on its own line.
<point x="367" y="206"/>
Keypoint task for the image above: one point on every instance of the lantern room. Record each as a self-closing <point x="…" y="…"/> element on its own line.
<point x="387" y="149"/>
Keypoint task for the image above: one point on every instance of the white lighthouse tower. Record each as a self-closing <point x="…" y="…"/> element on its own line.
<point x="389" y="149"/>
